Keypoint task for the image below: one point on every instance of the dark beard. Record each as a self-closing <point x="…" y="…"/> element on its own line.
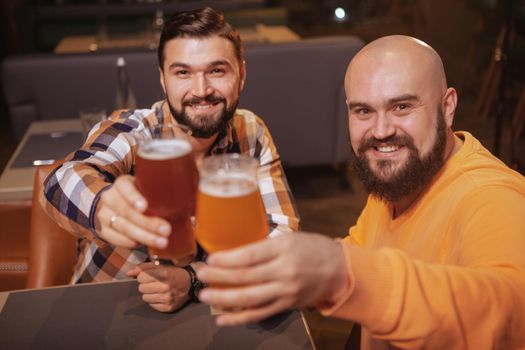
<point x="415" y="174"/>
<point x="203" y="126"/>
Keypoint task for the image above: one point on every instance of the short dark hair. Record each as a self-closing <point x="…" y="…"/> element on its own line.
<point x="200" y="24"/>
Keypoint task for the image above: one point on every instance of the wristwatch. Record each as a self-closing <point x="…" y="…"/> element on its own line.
<point x="195" y="284"/>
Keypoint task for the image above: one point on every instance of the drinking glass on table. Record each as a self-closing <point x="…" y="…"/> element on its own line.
<point x="230" y="212"/>
<point x="89" y="117"/>
<point x="167" y="177"/>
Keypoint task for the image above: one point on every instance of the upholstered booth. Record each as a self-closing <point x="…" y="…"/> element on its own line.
<point x="297" y="88"/>
<point x="34" y="251"/>
<point x="52" y="251"/>
<point x="14" y="238"/>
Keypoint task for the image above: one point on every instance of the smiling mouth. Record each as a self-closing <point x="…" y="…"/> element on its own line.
<point x="203" y="106"/>
<point x="387" y="149"/>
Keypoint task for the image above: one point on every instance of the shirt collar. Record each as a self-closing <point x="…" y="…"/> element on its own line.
<point x="224" y="140"/>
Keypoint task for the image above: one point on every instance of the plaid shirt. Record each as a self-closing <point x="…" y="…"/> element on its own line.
<point x="73" y="190"/>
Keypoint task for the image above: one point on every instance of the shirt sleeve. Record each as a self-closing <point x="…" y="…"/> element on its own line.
<point x="72" y="190"/>
<point x="276" y="195"/>
<point x="475" y="302"/>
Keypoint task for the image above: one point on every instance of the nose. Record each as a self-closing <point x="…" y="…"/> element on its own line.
<point x="201" y="86"/>
<point x="383" y="126"/>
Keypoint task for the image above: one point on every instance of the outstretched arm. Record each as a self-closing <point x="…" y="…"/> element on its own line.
<point x="93" y="186"/>
<point x="477" y="301"/>
<point x="278" y="200"/>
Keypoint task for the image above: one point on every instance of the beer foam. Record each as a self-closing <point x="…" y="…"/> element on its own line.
<point x="228" y="185"/>
<point x="163" y="149"/>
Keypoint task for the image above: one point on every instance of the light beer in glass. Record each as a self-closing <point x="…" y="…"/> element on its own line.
<point x="230" y="212"/>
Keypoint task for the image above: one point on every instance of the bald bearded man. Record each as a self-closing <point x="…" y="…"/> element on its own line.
<point x="436" y="258"/>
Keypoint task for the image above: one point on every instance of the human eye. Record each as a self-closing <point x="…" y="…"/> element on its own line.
<point x="402" y="107"/>
<point x="218" y="71"/>
<point x="182" y="73"/>
<point x="360" y="112"/>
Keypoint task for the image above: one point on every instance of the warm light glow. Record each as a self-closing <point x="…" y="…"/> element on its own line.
<point x="340" y="13"/>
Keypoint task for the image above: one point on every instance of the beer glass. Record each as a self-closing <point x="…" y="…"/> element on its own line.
<point x="230" y="212"/>
<point x="167" y="177"/>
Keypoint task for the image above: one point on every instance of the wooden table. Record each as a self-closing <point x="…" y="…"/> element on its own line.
<point x="113" y="316"/>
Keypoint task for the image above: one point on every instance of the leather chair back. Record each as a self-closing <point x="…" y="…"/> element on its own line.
<point x="52" y="250"/>
<point x="14" y="243"/>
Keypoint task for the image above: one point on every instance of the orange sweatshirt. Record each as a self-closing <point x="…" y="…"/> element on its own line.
<point x="449" y="273"/>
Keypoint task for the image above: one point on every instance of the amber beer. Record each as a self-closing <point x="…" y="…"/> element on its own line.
<point x="230" y="212"/>
<point x="167" y="176"/>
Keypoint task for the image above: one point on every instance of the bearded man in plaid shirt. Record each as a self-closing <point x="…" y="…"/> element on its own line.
<point x="93" y="195"/>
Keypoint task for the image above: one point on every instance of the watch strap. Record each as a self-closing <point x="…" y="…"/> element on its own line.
<point x="195" y="284"/>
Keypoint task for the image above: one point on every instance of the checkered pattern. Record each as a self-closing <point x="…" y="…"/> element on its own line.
<point x="73" y="190"/>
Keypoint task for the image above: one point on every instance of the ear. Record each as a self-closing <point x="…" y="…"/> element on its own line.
<point x="449" y="104"/>
<point x="242" y="69"/>
<point x="161" y="77"/>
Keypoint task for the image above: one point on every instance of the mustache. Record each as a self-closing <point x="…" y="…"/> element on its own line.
<point x="209" y="99"/>
<point x="394" y="140"/>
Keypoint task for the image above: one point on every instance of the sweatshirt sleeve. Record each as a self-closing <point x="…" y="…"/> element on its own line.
<point x="477" y="301"/>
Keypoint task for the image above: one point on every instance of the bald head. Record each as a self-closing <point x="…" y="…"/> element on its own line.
<point x="400" y="114"/>
<point x="401" y="58"/>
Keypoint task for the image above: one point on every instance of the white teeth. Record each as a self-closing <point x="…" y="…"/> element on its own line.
<point x="201" y="106"/>
<point x="387" y="149"/>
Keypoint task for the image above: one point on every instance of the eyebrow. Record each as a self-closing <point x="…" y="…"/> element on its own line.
<point x="394" y="100"/>
<point x="355" y="104"/>
<point x="178" y="65"/>
<point x="212" y="64"/>
<point x="405" y="97"/>
<point x="220" y="63"/>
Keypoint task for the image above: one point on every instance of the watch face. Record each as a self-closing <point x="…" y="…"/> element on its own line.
<point x="197" y="287"/>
